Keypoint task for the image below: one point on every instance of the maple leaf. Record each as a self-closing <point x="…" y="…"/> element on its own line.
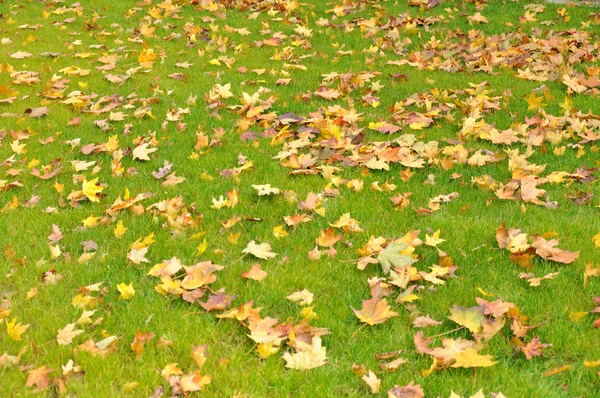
<point x="194" y="382"/>
<point x="142" y="151"/>
<point x="534" y="102"/>
<point x="15" y="330"/>
<point x="139" y="342"/>
<point x="372" y="381"/>
<point x="468" y="317"/>
<point x="477" y="17"/>
<point x="470" y="358"/>
<point x="533" y="348"/>
<point x="425" y="321"/>
<point x="395" y="255"/>
<point x="307" y="356"/>
<point x="328" y="238"/>
<point x="495" y="308"/>
<point x="199" y="354"/>
<point x="255" y="273"/>
<point x="170" y="370"/>
<point x="596" y="239"/>
<point x="223" y="91"/>
<point x="327" y="93"/>
<point x="451" y="347"/>
<point x="573" y="84"/>
<point x="91" y="189"/>
<point x="262" y="251"/>
<point x="513" y="239"/>
<point x="70" y="371"/>
<point x="127" y="291"/>
<point x="85" y="318"/>
<point x="266" y="189"/>
<point x="138" y="256"/>
<point x="56" y="234"/>
<point x="65" y="335"/>
<point x="39" y="378"/>
<point x="374" y="311"/>
<point x="280" y="232"/>
<point x="434" y="239"/>
<point x="20" y="55"/>
<point x="410" y="390"/>
<point x="147" y="57"/>
<point x="119" y="230"/>
<point x="37" y="112"/>
<point x="302" y="297"/>
<point x="548" y="250"/>
<point x="217" y="302"/>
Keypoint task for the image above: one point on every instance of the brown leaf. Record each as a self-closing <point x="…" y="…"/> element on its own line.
<point x="374" y="311"/>
<point x="548" y="250"/>
<point x="255" y="273"/>
<point x="217" y="302"/>
<point x="37" y="112"/>
<point x="39" y="378"/>
<point x="410" y="390"/>
<point x="533" y="348"/>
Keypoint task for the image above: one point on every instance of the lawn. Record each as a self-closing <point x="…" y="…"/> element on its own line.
<point x="271" y="198"/>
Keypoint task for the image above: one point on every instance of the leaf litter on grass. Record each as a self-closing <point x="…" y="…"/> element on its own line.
<point x="346" y="127"/>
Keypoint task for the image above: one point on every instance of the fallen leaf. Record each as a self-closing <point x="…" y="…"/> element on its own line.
<point x="262" y="250"/>
<point x="470" y="358"/>
<point x="374" y="311"/>
<point x="66" y="335"/>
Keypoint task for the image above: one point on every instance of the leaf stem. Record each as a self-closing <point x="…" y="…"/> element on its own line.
<point x="357" y="330"/>
<point x="445" y="333"/>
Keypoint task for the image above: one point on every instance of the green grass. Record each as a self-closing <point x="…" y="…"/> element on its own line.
<point x="335" y="282"/>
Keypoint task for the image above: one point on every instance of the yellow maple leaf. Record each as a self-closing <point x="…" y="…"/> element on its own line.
<point x="147" y="57"/>
<point x="91" y="189"/>
<point x="127" y="291"/>
<point x="434" y="239"/>
<point x="119" y="230"/>
<point x="55" y="251"/>
<point x="279" y="232"/>
<point x="470" y="358"/>
<point x="308" y="313"/>
<point x="170" y="370"/>
<point x="468" y="317"/>
<point x="15" y="330"/>
<point x="91" y="221"/>
<point x="199" y="354"/>
<point x="534" y="102"/>
<point x="265" y="350"/>
<point x="201" y="248"/>
<point x="130" y="386"/>
<point x="596" y="239"/>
